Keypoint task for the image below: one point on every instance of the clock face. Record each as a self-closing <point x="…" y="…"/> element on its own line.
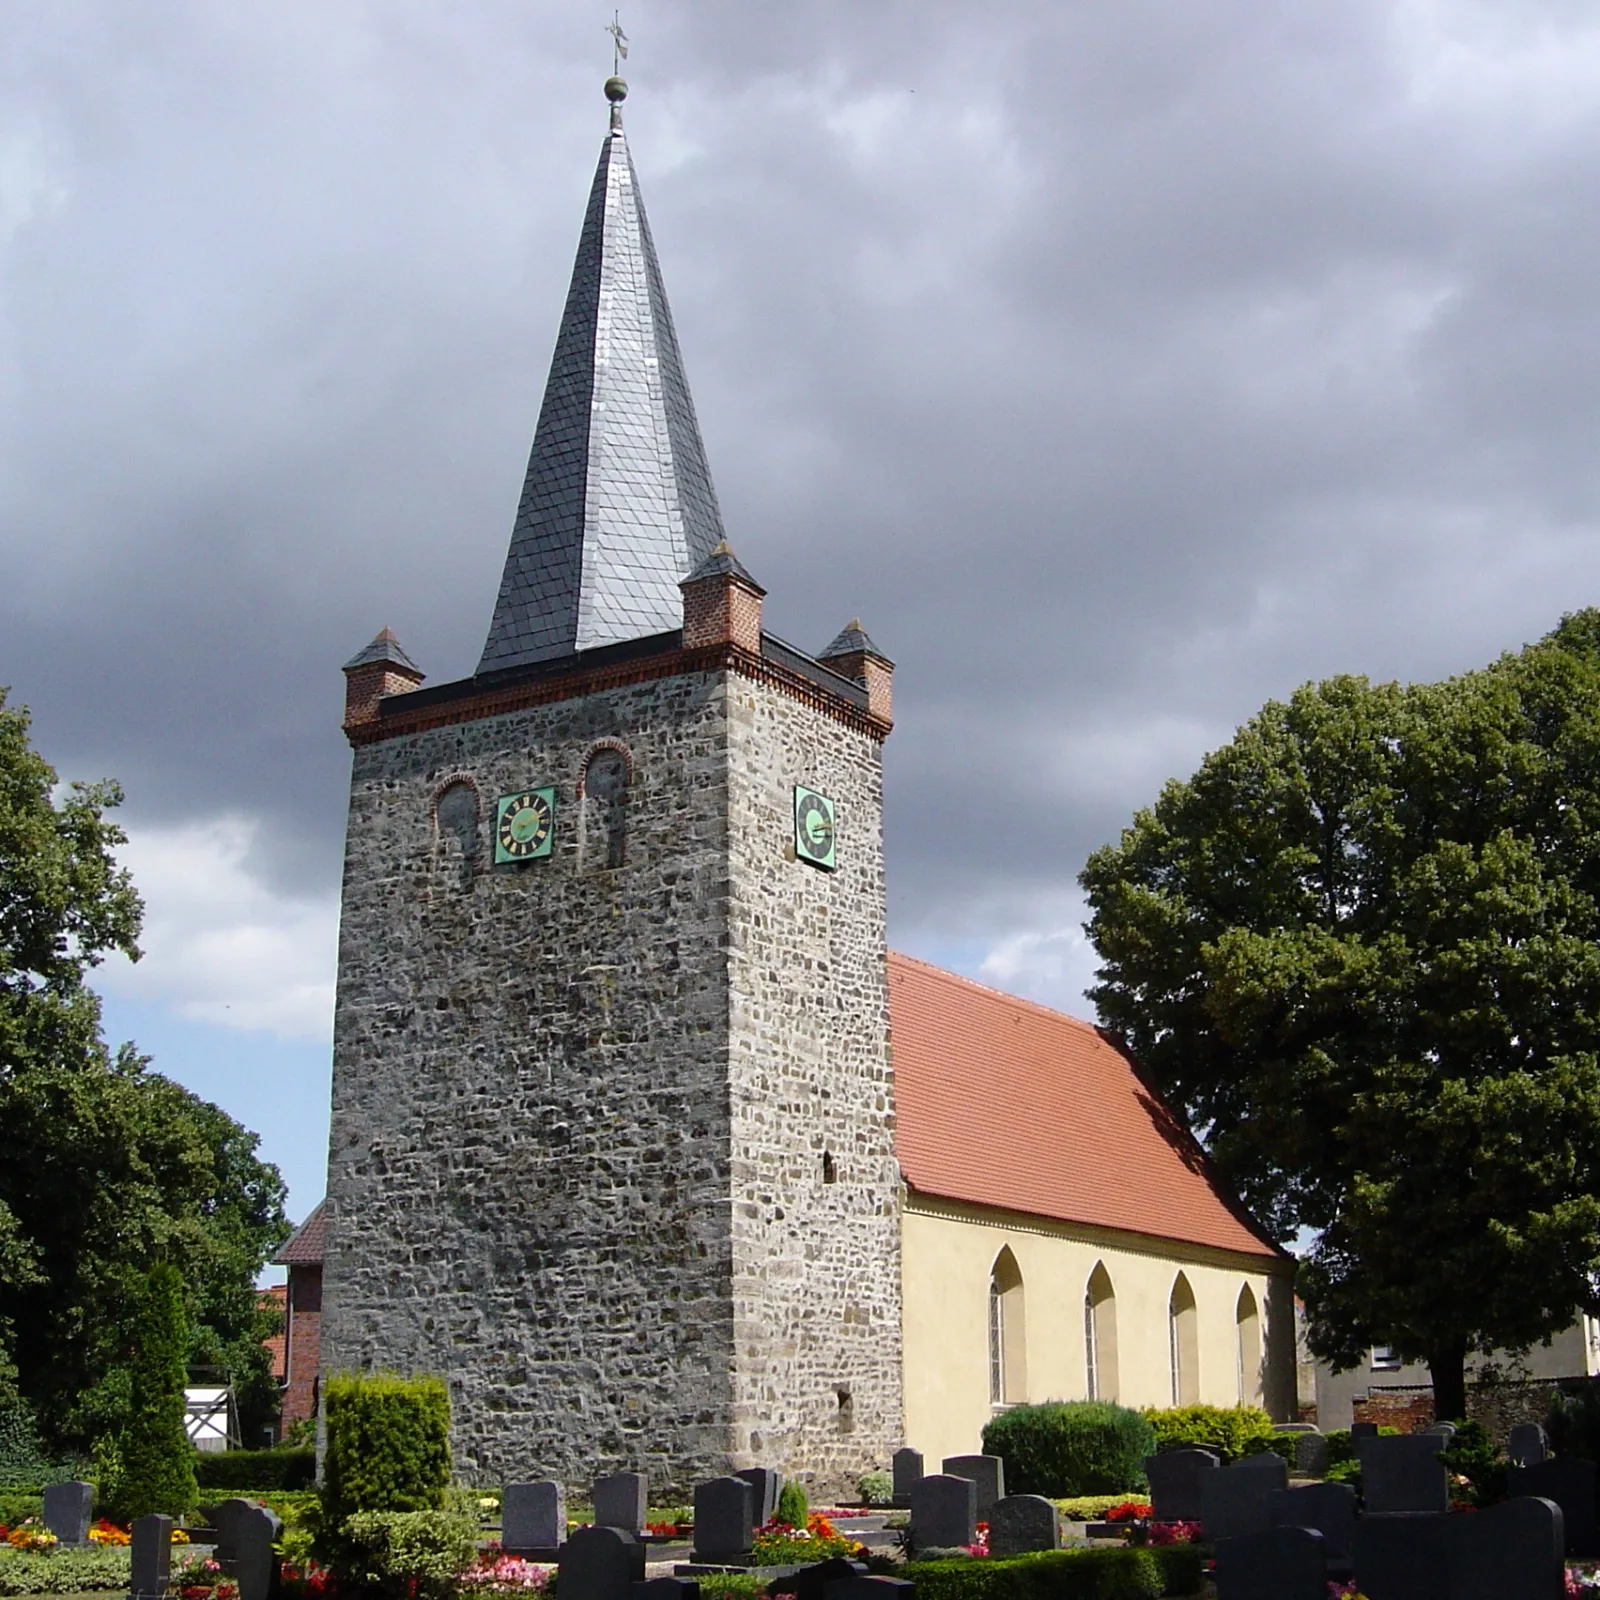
<point x="814" y="828"/>
<point x="524" y="825"/>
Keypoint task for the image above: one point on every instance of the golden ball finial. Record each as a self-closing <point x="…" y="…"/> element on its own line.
<point x="616" y="90"/>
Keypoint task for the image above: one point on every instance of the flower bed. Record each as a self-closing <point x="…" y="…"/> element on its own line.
<point x="780" y="1545"/>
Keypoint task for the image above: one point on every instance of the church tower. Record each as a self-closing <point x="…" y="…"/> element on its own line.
<point x="613" y="1113"/>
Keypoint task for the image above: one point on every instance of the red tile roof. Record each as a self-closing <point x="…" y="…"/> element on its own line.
<point x="1000" y="1102"/>
<point x="277" y="1298"/>
<point x="308" y="1243"/>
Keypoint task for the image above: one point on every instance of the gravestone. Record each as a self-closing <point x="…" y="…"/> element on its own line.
<point x="907" y="1471"/>
<point x="533" y="1519"/>
<point x="1511" y="1551"/>
<point x="1330" y="1508"/>
<point x="1404" y="1474"/>
<point x="1294" y="1427"/>
<point x="666" y="1589"/>
<point x="1311" y="1455"/>
<point x="1401" y="1558"/>
<point x="871" y="1589"/>
<point x="600" y="1564"/>
<point x="622" y="1501"/>
<point x="724" y="1518"/>
<point x="150" y="1548"/>
<point x="1236" y="1501"/>
<point x="226" y="1516"/>
<point x="1280" y="1564"/>
<point x="1175" y="1479"/>
<point x="988" y="1472"/>
<point x="255" y="1561"/>
<point x="67" y="1510"/>
<point x="1570" y="1484"/>
<point x="1023" y="1522"/>
<point x="811" y="1583"/>
<point x="1443" y="1430"/>
<point x="944" y="1511"/>
<point x="1528" y="1445"/>
<point x="767" y="1485"/>
<point x="1363" y="1430"/>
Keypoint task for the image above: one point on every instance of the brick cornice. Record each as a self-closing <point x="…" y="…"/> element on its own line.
<point x="397" y="719"/>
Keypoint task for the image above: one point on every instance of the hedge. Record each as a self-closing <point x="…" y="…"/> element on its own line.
<point x="1232" y="1431"/>
<point x="1065" y="1448"/>
<point x="66" y="1571"/>
<point x="262" y="1470"/>
<point x="1094" y="1574"/>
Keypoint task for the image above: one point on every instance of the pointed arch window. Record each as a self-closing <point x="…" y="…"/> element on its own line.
<point x="1183" y="1343"/>
<point x="1008" y="1361"/>
<point x="1100" y="1335"/>
<point x="1247" y="1327"/>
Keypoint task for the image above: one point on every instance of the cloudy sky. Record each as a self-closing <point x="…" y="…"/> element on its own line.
<point x="1122" y="366"/>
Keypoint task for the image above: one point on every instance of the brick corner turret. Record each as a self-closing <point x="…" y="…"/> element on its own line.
<point x="722" y="604"/>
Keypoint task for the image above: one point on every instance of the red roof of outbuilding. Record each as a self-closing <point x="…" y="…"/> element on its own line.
<point x="308" y="1243"/>
<point x="1000" y="1102"/>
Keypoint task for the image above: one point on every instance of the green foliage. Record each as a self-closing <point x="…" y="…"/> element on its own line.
<point x="791" y="1507"/>
<point x="155" y="1468"/>
<point x="1091" y="1507"/>
<point x="17" y="1505"/>
<point x="388" y="1447"/>
<point x="1360" y="951"/>
<point x="1573" y="1420"/>
<point x="876" y="1488"/>
<point x="66" y="1571"/>
<point x="411" y="1553"/>
<point x="1232" y="1431"/>
<point x="1091" y="1574"/>
<point x="255" y="1470"/>
<point x="1473" y="1458"/>
<point x="1071" y="1447"/>
<point x="730" y="1586"/>
<point x="23" y="1461"/>
<point x="1183" y="1568"/>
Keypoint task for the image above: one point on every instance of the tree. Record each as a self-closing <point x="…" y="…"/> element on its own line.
<point x="1359" y="951"/>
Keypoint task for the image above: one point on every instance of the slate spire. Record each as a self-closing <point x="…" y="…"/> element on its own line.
<point x="617" y="507"/>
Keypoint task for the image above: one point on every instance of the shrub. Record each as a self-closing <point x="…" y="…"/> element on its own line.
<point x="17" y="1505"/>
<point x="730" y="1586"/>
<point x="1573" y="1419"/>
<point x="388" y="1446"/>
<point x="876" y="1488"/>
<point x="1093" y="1574"/>
<point x="67" y="1572"/>
<point x="1473" y="1457"/>
<point x="791" y="1508"/>
<point x="23" y="1464"/>
<point x="1183" y="1568"/>
<point x="1232" y="1431"/>
<point x="154" y="1459"/>
<point x="411" y="1553"/>
<point x="1071" y="1447"/>
<point x="260" y="1471"/>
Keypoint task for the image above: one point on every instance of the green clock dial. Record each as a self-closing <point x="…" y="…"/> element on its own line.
<point x="814" y="828"/>
<point x="524" y="825"/>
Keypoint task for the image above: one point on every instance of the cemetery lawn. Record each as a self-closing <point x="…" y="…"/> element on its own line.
<point x="66" y="1572"/>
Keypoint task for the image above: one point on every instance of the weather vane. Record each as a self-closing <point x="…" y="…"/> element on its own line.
<point x="619" y="44"/>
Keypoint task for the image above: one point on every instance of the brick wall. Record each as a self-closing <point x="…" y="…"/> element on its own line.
<point x="304" y="1327"/>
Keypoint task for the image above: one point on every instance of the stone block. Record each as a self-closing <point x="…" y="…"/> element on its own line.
<point x="871" y="1589"/>
<point x="1175" y="1478"/>
<point x="533" y="1518"/>
<point x="1330" y="1508"/>
<point x="1023" y="1522"/>
<point x="1400" y="1557"/>
<point x="1511" y="1551"/>
<point x="907" y="1471"/>
<point x="1311" y="1455"/>
<point x="68" y="1508"/>
<point x="724" y="1518"/>
<point x="255" y="1532"/>
<point x="600" y="1564"/>
<point x="988" y="1472"/>
<point x="622" y="1501"/>
<point x="1363" y="1430"/>
<point x="944" y="1511"/>
<point x="811" y="1583"/>
<point x="1279" y="1564"/>
<point x="1569" y="1483"/>
<point x="150" y="1548"/>
<point x="767" y="1485"/>
<point x="1403" y="1474"/>
<point x="1236" y="1501"/>
<point x="1527" y="1445"/>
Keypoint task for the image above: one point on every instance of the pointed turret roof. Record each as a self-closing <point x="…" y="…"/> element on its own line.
<point x="851" y="638"/>
<point x="617" y="506"/>
<point x="385" y="647"/>
<point x="722" y="562"/>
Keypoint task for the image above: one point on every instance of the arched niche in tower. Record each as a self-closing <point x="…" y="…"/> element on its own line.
<point x="603" y="803"/>
<point x="1008" y="1333"/>
<point x="1183" y="1343"/>
<point x="457" y="813"/>
<point x="1247" y="1326"/>
<point x="1100" y="1335"/>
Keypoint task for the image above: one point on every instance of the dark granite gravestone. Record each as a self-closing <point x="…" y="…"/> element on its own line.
<point x="1570" y="1483"/>
<point x="810" y="1583"/>
<point x="151" y="1550"/>
<point x="600" y="1564"/>
<point x="724" y="1519"/>
<point x="1311" y="1455"/>
<point x="1404" y="1474"/>
<point x="907" y="1470"/>
<point x="944" y="1511"/>
<point x="1280" y="1564"/>
<point x="666" y="1589"/>
<point x="226" y="1516"/>
<point x="533" y="1519"/>
<point x="1363" y="1430"/>
<point x="622" y="1501"/>
<point x="767" y="1485"/>
<point x="1527" y="1445"/>
<point x="1330" y="1508"/>
<point x="988" y="1472"/>
<point x="255" y="1532"/>
<point x="871" y="1589"/>
<point x="1023" y="1522"/>
<point x="1236" y="1501"/>
<point x="67" y="1510"/>
<point x="1511" y="1551"/>
<point x="1401" y="1558"/>
<point x="1175" y="1478"/>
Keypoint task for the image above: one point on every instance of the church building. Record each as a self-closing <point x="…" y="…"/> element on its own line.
<point x="641" y="1137"/>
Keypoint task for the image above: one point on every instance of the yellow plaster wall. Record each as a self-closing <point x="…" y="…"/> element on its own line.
<point x="947" y="1251"/>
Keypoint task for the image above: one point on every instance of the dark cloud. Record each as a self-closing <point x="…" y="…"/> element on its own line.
<point x="1120" y="366"/>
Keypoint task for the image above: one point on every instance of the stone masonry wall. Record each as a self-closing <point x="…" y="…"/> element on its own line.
<point x="816" y="1263"/>
<point x="529" y="1167"/>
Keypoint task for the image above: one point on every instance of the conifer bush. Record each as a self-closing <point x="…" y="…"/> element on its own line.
<point x="792" y="1507"/>
<point x="1071" y="1447"/>
<point x="388" y="1445"/>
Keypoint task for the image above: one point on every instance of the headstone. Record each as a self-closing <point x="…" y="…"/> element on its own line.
<point x="600" y="1564"/>
<point x="1311" y="1455"/>
<point x="622" y="1501"/>
<point x="67" y="1510"/>
<point x="811" y="1583"/>
<point x="1023" y="1522"/>
<point x="666" y="1589"/>
<point x="1570" y="1484"/>
<point x="1401" y="1558"/>
<point x="150" y="1548"/>
<point x="1511" y="1551"/>
<point x="1280" y="1564"/>
<point x="944" y="1511"/>
<point x="907" y="1470"/>
<point x="226" y="1516"/>
<point x="256" y="1562"/>
<point x="767" y="1485"/>
<point x="533" y="1519"/>
<point x="1363" y="1430"/>
<point x="1294" y="1427"/>
<point x="1236" y="1501"/>
<point x="1175" y="1479"/>
<point x="724" y="1518"/>
<point x="1330" y="1508"/>
<point x="1443" y="1430"/>
<point x="871" y="1589"/>
<point x="988" y="1472"/>
<point x="1528" y="1445"/>
<point x="1404" y="1474"/>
